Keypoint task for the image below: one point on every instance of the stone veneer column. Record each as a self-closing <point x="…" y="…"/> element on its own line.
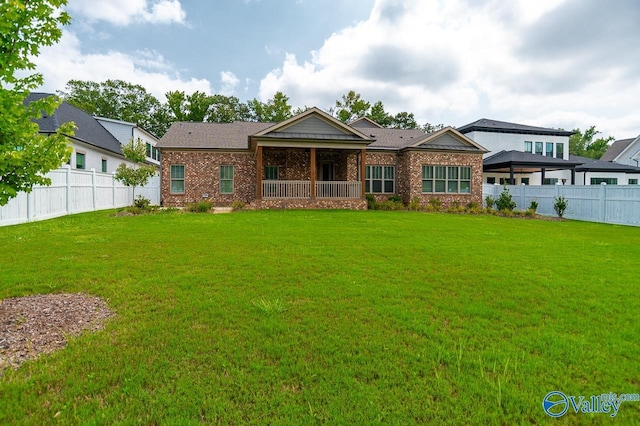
<point x="259" y="172"/>
<point x="363" y="169"/>
<point x="313" y="172"/>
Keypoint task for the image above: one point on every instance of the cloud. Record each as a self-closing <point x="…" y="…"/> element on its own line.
<point x="228" y="83"/>
<point x="559" y="63"/>
<point x="65" y="61"/>
<point x="127" y="12"/>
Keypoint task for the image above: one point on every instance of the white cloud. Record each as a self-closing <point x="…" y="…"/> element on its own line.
<point x="65" y="61"/>
<point x="228" y="83"/>
<point x="126" y="12"/>
<point x="454" y="61"/>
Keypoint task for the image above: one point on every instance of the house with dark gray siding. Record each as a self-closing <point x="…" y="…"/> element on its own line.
<point x="313" y="160"/>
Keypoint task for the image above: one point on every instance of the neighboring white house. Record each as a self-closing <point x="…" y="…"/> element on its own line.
<point x="525" y="154"/>
<point x="625" y="151"/>
<point x="125" y="131"/>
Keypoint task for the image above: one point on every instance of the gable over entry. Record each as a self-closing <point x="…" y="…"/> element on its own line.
<point x="310" y="156"/>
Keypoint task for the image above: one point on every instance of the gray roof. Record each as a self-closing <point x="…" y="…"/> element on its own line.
<point x="616" y="149"/>
<point x="591" y="165"/>
<point x="89" y="130"/>
<point x="495" y="126"/>
<point x="393" y="138"/>
<point x="505" y="159"/>
<point x="211" y="135"/>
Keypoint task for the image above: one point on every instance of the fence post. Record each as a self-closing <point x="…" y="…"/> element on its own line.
<point x="95" y="188"/>
<point x="113" y="192"/>
<point x="30" y="207"/>
<point x="68" y="188"/>
<point x="603" y="202"/>
<point x="524" y="197"/>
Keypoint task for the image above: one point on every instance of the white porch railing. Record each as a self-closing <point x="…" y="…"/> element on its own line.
<point x="286" y="189"/>
<point x="302" y="189"/>
<point x="350" y="189"/>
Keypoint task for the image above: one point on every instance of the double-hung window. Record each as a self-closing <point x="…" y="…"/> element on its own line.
<point x="226" y="179"/>
<point x="528" y="147"/>
<point x="549" y="149"/>
<point x="104" y="165"/>
<point x="559" y="150"/>
<point x="446" y="179"/>
<point x="177" y="179"/>
<point x="380" y="179"/>
<point x="271" y="172"/>
<point x="80" y="161"/>
<point x="538" y="148"/>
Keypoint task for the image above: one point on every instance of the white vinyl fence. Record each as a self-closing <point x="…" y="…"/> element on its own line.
<point x="74" y="191"/>
<point x="619" y="204"/>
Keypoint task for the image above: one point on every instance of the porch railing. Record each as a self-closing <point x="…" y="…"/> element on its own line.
<point x="286" y="189"/>
<point x="302" y="189"/>
<point x="350" y="189"/>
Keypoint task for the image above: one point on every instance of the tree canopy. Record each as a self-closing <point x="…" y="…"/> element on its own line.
<point x="583" y="143"/>
<point x="119" y="100"/>
<point x="139" y="173"/>
<point x="26" y="155"/>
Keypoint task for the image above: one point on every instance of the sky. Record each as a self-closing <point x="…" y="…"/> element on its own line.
<point x="551" y="63"/>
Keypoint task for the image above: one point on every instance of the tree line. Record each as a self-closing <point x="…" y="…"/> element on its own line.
<point x="120" y="100"/>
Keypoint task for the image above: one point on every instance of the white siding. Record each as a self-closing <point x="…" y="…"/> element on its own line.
<point x="496" y="142"/>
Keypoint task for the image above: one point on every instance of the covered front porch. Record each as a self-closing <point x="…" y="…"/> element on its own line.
<point x="310" y="173"/>
<point x="310" y="161"/>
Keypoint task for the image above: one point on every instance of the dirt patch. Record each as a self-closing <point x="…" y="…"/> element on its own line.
<point x="30" y="326"/>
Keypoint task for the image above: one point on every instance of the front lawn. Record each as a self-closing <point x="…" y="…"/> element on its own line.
<point x="339" y="317"/>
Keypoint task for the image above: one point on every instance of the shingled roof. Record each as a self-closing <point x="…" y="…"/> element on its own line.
<point x="88" y="131"/>
<point x="211" y="135"/>
<point x="616" y="149"/>
<point x="591" y="165"/>
<point x="495" y="126"/>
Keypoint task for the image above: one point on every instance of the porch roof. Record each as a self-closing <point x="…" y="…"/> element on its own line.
<point x="524" y="162"/>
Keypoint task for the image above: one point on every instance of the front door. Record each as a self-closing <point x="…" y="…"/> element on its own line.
<point x="326" y="171"/>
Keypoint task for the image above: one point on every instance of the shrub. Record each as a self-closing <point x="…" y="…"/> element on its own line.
<point x="203" y="206"/>
<point x="560" y="205"/>
<point x="390" y="205"/>
<point x="371" y="202"/>
<point x="395" y="198"/>
<point x="141" y="203"/>
<point x="414" y="204"/>
<point x="505" y="200"/>
<point x="490" y="201"/>
<point x="434" y="205"/>
<point x="237" y="205"/>
<point x="533" y="206"/>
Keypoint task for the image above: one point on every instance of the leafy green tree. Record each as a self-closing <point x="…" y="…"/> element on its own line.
<point x="584" y="144"/>
<point x="227" y="109"/>
<point x="404" y="120"/>
<point x="275" y="110"/>
<point x="430" y="128"/>
<point x="351" y="107"/>
<point x="139" y="173"/>
<point x="26" y="155"/>
<point x="379" y="115"/>
<point x="194" y="107"/>
<point x="119" y="100"/>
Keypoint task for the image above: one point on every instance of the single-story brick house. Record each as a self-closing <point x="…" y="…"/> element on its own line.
<point x="313" y="160"/>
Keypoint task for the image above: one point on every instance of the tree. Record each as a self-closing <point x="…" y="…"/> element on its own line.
<point x="583" y="144"/>
<point x="26" y="155"/>
<point x="379" y="115"/>
<point x="404" y="120"/>
<point x="227" y="109"/>
<point x="275" y="110"/>
<point x="119" y="100"/>
<point x="139" y="173"/>
<point x="430" y="128"/>
<point x="351" y="107"/>
<point x="194" y="107"/>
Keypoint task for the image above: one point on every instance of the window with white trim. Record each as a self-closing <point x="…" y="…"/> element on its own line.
<point x="446" y="179"/>
<point x="549" y="149"/>
<point x="226" y="179"/>
<point x="380" y="179"/>
<point x="177" y="179"/>
<point x="528" y="147"/>
<point x="104" y="165"/>
<point x="608" y="181"/>
<point x="271" y="172"/>
<point x="80" y="161"/>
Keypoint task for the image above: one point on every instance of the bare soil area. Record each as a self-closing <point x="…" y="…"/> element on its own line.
<point x="33" y="325"/>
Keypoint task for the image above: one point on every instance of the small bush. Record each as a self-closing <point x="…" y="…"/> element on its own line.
<point x="203" y="206"/>
<point x="237" y="205"/>
<point x="414" y="204"/>
<point x="142" y="203"/>
<point x="395" y="198"/>
<point x="560" y="205"/>
<point x="371" y="202"/>
<point x="533" y="206"/>
<point x="530" y="213"/>
<point x="390" y="205"/>
<point x="490" y="201"/>
<point x="505" y="201"/>
<point x="434" y="205"/>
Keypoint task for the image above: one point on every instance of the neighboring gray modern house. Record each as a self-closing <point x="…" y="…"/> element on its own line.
<point x="96" y="142"/>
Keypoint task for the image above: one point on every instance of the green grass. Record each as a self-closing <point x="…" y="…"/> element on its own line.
<point x="339" y="317"/>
